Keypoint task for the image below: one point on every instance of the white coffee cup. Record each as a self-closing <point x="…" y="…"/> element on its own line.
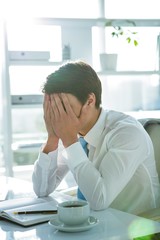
<point x="73" y="212"/>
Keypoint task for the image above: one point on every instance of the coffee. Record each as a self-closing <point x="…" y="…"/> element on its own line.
<point x="73" y="212"/>
<point x="69" y="206"/>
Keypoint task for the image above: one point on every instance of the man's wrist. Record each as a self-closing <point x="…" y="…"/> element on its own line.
<point x="50" y="146"/>
<point x="69" y="141"/>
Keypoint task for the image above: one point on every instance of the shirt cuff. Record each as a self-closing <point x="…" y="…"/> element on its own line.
<point x="74" y="155"/>
<point x="48" y="160"/>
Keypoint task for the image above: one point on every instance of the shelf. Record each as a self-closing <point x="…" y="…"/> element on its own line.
<point x="133" y="22"/>
<point x="98" y="22"/>
<point x="128" y="72"/>
<point x="90" y="22"/>
<point x="34" y="63"/>
<point x="25" y="101"/>
<point x="19" y="106"/>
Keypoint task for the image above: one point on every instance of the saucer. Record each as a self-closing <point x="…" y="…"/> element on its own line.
<point x="90" y="223"/>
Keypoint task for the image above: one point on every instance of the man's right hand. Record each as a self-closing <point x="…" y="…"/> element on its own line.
<point x="52" y="141"/>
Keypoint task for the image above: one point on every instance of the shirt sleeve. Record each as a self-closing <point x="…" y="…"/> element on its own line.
<point x="74" y="155"/>
<point x="48" y="173"/>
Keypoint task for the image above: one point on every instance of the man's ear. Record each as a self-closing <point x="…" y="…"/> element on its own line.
<point x="91" y="101"/>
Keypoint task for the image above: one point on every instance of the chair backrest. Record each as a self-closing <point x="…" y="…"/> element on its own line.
<point x="152" y="126"/>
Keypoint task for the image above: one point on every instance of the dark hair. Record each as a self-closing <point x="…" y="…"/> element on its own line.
<point x="77" y="78"/>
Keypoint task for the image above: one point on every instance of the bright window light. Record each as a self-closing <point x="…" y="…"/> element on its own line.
<point x="30" y="37"/>
<point x="49" y="8"/>
<point x="141" y="9"/>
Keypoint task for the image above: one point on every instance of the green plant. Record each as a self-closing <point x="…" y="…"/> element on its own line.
<point x="128" y="34"/>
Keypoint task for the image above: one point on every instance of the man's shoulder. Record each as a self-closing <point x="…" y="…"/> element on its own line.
<point x="116" y="117"/>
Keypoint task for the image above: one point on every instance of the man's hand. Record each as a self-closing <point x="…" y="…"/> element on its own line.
<point x="52" y="141"/>
<point x="64" y="121"/>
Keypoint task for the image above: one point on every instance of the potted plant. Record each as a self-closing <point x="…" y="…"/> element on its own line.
<point x="109" y="61"/>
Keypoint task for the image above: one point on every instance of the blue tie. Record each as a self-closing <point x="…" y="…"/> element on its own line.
<point x="84" y="145"/>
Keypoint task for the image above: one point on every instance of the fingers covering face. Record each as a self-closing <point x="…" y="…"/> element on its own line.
<point x="60" y="104"/>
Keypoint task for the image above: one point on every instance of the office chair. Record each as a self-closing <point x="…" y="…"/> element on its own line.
<point x="152" y="126"/>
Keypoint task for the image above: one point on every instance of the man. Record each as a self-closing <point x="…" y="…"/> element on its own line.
<point x="119" y="170"/>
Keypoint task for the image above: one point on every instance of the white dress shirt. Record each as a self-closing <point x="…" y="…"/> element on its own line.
<point x="119" y="171"/>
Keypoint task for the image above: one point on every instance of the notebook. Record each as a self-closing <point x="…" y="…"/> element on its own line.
<point x="9" y="210"/>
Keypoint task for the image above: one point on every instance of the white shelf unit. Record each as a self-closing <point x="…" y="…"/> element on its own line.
<point x="82" y="37"/>
<point x="82" y="31"/>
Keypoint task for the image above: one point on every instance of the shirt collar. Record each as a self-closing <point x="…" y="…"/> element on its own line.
<point x="93" y="136"/>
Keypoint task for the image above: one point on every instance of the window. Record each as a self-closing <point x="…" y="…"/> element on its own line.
<point x="51" y="9"/>
<point x="142" y="57"/>
<point x="132" y="9"/>
<point x="137" y="71"/>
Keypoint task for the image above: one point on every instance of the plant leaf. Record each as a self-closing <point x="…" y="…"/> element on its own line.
<point x="128" y="39"/>
<point x="134" y="32"/>
<point x="135" y="43"/>
<point x="118" y="28"/>
<point x="114" y="34"/>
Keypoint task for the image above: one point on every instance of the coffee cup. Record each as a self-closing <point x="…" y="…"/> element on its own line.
<point x="73" y="212"/>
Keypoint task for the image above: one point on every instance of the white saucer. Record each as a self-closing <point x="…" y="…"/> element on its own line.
<point x="90" y="223"/>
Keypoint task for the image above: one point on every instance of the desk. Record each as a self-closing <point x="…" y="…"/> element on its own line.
<point x="113" y="225"/>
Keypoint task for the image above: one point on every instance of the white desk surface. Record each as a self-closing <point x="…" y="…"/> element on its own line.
<point x="113" y="224"/>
